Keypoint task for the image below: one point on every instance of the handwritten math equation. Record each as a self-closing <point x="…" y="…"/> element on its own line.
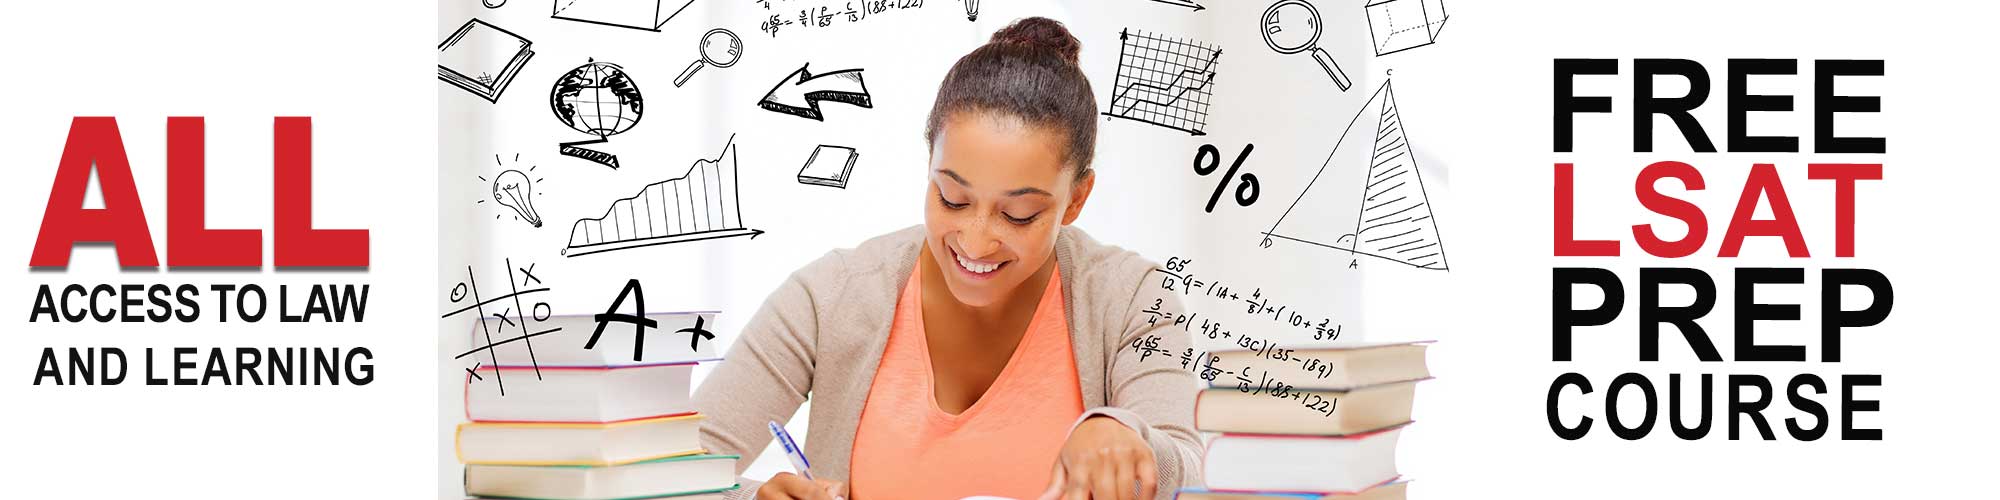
<point x="1177" y="278"/>
<point x="826" y="14"/>
<point x="1249" y="380"/>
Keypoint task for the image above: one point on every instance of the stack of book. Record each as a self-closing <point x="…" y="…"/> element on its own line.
<point x="1307" y="423"/>
<point x="600" y="423"/>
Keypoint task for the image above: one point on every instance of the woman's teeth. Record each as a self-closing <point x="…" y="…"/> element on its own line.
<point x="975" y="267"/>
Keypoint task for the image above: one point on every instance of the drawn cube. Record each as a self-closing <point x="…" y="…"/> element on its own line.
<point x="646" y="15"/>
<point x="1399" y="25"/>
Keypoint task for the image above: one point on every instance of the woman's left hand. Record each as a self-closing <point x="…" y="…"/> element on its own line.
<point x="1103" y="460"/>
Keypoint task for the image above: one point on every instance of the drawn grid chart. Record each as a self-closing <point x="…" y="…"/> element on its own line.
<point x="1163" y="81"/>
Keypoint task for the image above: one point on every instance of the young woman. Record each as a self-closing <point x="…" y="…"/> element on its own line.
<point x="979" y="353"/>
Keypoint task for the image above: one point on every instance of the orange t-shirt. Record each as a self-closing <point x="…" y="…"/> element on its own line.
<point x="1004" y="444"/>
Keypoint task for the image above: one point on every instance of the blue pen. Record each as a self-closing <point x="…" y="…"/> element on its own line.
<point x="792" y="450"/>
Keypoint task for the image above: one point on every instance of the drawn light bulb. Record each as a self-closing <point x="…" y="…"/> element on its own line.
<point x="511" y="189"/>
<point x="972" y="10"/>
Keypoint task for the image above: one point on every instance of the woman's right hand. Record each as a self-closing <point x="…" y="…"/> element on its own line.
<point x="789" y="486"/>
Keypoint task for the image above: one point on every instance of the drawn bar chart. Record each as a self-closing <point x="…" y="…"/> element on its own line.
<point x="699" y="205"/>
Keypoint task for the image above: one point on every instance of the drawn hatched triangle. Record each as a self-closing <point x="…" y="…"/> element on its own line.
<point x="1376" y="178"/>
<point x="1395" y="221"/>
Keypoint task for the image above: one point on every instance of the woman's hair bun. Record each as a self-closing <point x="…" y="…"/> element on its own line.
<point x="1041" y="33"/>
<point x="1028" y="71"/>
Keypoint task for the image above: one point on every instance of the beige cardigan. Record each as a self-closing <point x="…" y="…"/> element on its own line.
<point x="822" y="332"/>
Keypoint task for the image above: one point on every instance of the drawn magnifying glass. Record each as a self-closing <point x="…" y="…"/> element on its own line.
<point x="719" y="48"/>
<point x="1293" y="26"/>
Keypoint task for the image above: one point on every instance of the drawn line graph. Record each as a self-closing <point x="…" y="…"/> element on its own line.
<point x="1204" y="76"/>
<point x="701" y="204"/>
<point x="1393" y="219"/>
<point x="1163" y="81"/>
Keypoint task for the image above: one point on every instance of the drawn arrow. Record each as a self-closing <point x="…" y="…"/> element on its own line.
<point x="1182" y="3"/>
<point x="800" y="93"/>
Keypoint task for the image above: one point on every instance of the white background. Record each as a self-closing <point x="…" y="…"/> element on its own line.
<point x="356" y="69"/>
<point x="1476" y="103"/>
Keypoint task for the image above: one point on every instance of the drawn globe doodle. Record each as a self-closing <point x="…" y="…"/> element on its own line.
<point x="597" y="98"/>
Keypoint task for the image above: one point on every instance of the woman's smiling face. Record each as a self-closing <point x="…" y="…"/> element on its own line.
<point x="999" y="191"/>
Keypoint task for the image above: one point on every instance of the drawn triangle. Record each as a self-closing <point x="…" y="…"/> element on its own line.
<point x="1395" y="219"/>
<point x="1368" y="197"/>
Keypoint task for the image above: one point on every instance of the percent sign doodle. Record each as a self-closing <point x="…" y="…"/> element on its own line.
<point x="511" y="318"/>
<point x="1209" y="158"/>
